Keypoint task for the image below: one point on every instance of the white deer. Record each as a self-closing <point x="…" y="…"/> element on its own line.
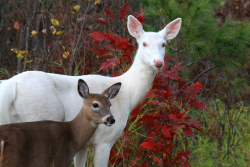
<point x="34" y="95"/>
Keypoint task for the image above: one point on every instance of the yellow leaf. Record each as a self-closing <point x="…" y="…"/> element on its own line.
<point x="24" y="53"/>
<point x="19" y="55"/>
<point x="59" y="33"/>
<point x="65" y="54"/>
<point x="63" y="47"/>
<point x="97" y="1"/>
<point x="34" y="32"/>
<point x="14" y="50"/>
<point x="76" y="7"/>
<point x="55" y="22"/>
<point x="53" y="30"/>
<point x="73" y="12"/>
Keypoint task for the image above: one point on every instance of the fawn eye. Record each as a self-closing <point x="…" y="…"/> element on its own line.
<point x="144" y="44"/>
<point x="163" y="45"/>
<point x="95" y="105"/>
<point x="110" y="104"/>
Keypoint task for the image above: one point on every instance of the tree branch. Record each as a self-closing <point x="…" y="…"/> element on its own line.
<point x="201" y="75"/>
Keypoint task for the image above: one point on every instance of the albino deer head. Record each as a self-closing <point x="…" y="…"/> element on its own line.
<point x="152" y="44"/>
<point x="97" y="106"/>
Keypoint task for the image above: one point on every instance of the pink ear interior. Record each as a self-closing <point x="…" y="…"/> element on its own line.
<point x="174" y="27"/>
<point x="133" y="24"/>
<point x="135" y="27"/>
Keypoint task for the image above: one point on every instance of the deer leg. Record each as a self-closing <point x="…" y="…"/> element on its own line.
<point x="101" y="154"/>
<point x="1" y="152"/>
<point x="81" y="157"/>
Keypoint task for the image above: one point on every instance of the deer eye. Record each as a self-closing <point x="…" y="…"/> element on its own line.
<point x="163" y="45"/>
<point x="110" y="104"/>
<point x="144" y="44"/>
<point x="95" y="105"/>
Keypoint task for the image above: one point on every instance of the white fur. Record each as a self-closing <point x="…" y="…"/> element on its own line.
<point x="93" y="124"/>
<point x="104" y="119"/>
<point x="41" y="96"/>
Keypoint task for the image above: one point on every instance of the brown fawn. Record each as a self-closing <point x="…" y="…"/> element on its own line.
<point x="50" y="143"/>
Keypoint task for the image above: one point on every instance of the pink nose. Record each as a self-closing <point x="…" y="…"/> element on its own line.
<point x="158" y="63"/>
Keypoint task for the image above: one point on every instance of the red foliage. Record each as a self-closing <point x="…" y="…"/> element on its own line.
<point x="109" y="14"/>
<point x="124" y="12"/>
<point x="169" y="104"/>
<point x="109" y="63"/>
<point x="104" y="22"/>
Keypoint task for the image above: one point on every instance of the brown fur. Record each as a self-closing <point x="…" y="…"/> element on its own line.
<point x="50" y="143"/>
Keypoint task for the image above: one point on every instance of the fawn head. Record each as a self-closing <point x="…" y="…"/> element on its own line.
<point x="97" y="106"/>
<point x="152" y="44"/>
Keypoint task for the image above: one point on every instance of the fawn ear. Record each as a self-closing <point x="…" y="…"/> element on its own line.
<point x="134" y="27"/>
<point x="112" y="91"/>
<point x="172" y="29"/>
<point x="83" y="89"/>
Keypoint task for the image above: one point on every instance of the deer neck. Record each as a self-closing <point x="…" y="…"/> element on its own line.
<point x="82" y="129"/>
<point x="138" y="80"/>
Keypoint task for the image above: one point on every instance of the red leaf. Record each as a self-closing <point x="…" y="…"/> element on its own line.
<point x="144" y="164"/>
<point x="148" y="145"/>
<point x="111" y="63"/>
<point x="172" y="72"/>
<point x="142" y="13"/>
<point x="193" y="89"/>
<point x="124" y="12"/>
<point x="101" y="51"/>
<point x="109" y="14"/>
<point x="133" y="163"/>
<point x="103" y="22"/>
<point x="99" y="35"/>
<point x="181" y="84"/>
<point x="187" y="131"/>
<point x="155" y="159"/>
<point x="150" y="93"/>
<point x="70" y="38"/>
<point x="156" y="102"/>
<point x="115" y="74"/>
<point x="166" y="131"/>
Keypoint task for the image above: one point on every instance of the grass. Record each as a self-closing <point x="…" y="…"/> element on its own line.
<point x="225" y="140"/>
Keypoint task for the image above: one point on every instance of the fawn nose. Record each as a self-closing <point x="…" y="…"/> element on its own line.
<point x="158" y="63"/>
<point x="111" y="120"/>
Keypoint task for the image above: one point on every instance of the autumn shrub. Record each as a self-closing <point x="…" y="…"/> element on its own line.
<point x="149" y="137"/>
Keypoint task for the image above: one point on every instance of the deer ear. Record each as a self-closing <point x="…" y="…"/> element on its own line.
<point x="112" y="91"/>
<point x="172" y="29"/>
<point x="134" y="27"/>
<point x="83" y="89"/>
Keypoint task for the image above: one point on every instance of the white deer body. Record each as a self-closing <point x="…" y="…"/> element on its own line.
<point x="60" y="98"/>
